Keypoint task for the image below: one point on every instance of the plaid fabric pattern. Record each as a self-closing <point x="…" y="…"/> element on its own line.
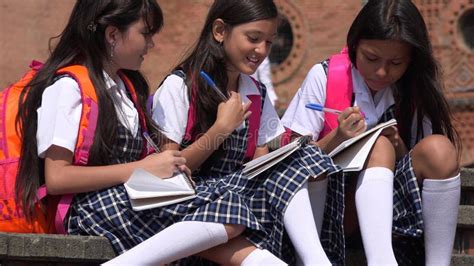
<point x="408" y="243"/>
<point x="259" y="203"/>
<point x="407" y="216"/>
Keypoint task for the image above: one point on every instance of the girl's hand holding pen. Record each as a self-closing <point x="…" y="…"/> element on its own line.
<point x="165" y="164"/>
<point x="351" y="123"/>
<point x="232" y="113"/>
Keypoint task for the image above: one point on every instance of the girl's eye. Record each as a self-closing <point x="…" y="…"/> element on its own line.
<point x="371" y="59"/>
<point x="396" y="63"/>
<point x="253" y="39"/>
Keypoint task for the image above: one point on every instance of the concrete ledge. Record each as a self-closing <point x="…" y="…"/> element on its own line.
<point x="54" y="248"/>
<point x="466" y="217"/>
<point x="59" y="250"/>
<point x="467" y="178"/>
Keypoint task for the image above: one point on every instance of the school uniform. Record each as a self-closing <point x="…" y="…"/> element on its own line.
<point x="407" y="214"/>
<point x="258" y="203"/>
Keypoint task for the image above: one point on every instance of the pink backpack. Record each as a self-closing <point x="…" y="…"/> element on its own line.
<point x="338" y="92"/>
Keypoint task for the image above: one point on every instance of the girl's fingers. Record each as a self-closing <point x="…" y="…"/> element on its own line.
<point x="246" y="106"/>
<point x="179" y="161"/>
<point x="247" y="115"/>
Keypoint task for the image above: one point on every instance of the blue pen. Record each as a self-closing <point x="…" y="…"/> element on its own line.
<point x="213" y="85"/>
<point x="150" y="142"/>
<point x="318" y="107"/>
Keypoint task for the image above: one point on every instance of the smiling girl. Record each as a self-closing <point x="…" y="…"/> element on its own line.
<point x="393" y="75"/>
<point x="218" y="136"/>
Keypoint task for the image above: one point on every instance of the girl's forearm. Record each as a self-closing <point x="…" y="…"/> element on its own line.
<point x="330" y="141"/>
<point x="198" y="152"/>
<point x="64" y="178"/>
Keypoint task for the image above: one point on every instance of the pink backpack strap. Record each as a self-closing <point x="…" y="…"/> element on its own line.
<point x="285" y="138"/>
<point x="338" y="89"/>
<point x="254" y="121"/>
<point x="189" y="137"/>
<point x="61" y="213"/>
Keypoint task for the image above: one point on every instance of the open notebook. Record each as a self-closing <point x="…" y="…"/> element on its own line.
<point x="352" y="153"/>
<point x="147" y="191"/>
<point x="262" y="163"/>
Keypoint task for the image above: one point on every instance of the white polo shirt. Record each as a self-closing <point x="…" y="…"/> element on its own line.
<point x="60" y="113"/>
<point x="305" y="121"/>
<point x="171" y="106"/>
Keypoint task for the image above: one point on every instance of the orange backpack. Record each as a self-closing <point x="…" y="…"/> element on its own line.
<point x="11" y="217"/>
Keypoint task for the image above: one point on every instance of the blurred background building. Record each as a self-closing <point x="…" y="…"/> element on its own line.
<point x="311" y="31"/>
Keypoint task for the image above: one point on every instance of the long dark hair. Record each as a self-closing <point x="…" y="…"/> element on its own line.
<point x="82" y="42"/>
<point x="208" y="55"/>
<point x="420" y="89"/>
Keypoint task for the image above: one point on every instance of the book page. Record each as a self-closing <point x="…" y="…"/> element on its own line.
<point x="351" y="141"/>
<point x="276" y="153"/>
<point x="354" y="157"/>
<point x="262" y="163"/>
<point x="143" y="184"/>
<point x="149" y="203"/>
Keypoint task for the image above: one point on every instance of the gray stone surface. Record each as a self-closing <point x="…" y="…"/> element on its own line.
<point x="467" y="178"/>
<point x="466" y="217"/>
<point x="57" y="248"/>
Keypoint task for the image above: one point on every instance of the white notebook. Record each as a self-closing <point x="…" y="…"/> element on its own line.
<point x="262" y="163"/>
<point x="147" y="191"/>
<point x="352" y="153"/>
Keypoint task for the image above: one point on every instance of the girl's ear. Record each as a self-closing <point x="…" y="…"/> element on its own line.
<point x="218" y="30"/>
<point x="111" y="34"/>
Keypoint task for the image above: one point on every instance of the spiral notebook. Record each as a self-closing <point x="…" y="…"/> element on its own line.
<point x="147" y="191"/>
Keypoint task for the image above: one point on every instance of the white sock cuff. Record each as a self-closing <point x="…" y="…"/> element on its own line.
<point x="261" y="257"/>
<point x="439" y="185"/>
<point x="216" y="232"/>
<point x="376" y="174"/>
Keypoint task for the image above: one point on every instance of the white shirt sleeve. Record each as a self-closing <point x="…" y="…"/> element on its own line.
<point x="300" y="119"/>
<point x="170" y="108"/>
<point x="59" y="116"/>
<point x="270" y="124"/>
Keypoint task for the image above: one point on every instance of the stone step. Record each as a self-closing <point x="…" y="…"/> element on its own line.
<point x="467" y="178"/>
<point x="466" y="217"/>
<point x="54" y="248"/>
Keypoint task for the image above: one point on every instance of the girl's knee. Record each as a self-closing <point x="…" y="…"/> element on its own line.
<point x="234" y="230"/>
<point x="382" y="154"/>
<point x="435" y="157"/>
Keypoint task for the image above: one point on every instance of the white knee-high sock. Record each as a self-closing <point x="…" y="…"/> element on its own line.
<point x="317" y="195"/>
<point x="440" y="205"/>
<point x="301" y="228"/>
<point x="174" y="242"/>
<point x="261" y="257"/>
<point x="374" y="204"/>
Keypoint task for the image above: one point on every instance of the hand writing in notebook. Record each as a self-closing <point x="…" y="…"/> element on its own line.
<point x="351" y="123"/>
<point x="172" y="161"/>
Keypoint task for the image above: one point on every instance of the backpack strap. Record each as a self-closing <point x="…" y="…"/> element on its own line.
<point x="87" y="128"/>
<point x="254" y="119"/>
<point x="338" y="89"/>
<point x="338" y="92"/>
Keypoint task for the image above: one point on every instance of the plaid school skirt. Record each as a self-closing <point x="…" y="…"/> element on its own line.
<point x="258" y="204"/>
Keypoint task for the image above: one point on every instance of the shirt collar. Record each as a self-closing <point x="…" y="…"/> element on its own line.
<point x="247" y="86"/>
<point x="109" y="82"/>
